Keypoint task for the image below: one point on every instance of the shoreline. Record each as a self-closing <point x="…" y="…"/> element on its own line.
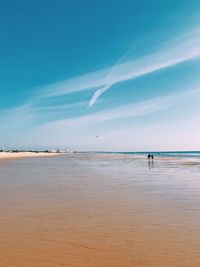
<point x="186" y="160"/>
<point x="19" y="155"/>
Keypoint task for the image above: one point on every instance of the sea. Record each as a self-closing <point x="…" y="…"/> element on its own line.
<point x="158" y="154"/>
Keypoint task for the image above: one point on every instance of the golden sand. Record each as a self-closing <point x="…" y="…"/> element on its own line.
<point x="17" y="155"/>
<point x="76" y="217"/>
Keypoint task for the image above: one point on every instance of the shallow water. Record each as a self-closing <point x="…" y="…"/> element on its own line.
<point x="99" y="210"/>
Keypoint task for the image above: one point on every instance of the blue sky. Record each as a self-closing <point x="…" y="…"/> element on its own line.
<point x="127" y="71"/>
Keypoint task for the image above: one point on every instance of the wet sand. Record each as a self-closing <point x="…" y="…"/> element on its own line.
<point x="86" y="210"/>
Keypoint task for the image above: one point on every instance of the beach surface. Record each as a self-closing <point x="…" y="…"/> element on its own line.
<point x="17" y="155"/>
<point x="99" y="210"/>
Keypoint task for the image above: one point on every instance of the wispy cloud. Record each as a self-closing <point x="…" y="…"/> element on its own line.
<point x="79" y="83"/>
<point x="172" y="53"/>
<point x="31" y="113"/>
<point x="130" y="110"/>
<point x="168" y="54"/>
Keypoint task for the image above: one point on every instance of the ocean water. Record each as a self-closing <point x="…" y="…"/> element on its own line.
<point x="100" y="209"/>
<point x="177" y="154"/>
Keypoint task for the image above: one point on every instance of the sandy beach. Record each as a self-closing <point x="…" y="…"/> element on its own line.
<point x="17" y="155"/>
<point x="96" y="211"/>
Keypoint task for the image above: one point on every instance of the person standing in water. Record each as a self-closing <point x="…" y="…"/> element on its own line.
<point x="150" y="157"/>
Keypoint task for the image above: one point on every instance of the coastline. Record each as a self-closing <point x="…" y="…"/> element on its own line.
<point x="18" y="155"/>
<point x="185" y="160"/>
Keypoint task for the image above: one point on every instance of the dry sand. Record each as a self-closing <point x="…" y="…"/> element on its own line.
<point x="17" y="155"/>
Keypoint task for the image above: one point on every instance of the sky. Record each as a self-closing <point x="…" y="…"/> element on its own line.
<point x="109" y="75"/>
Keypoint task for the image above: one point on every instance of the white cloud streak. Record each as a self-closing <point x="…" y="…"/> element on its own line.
<point x="171" y="54"/>
<point x="129" y="110"/>
<point x="29" y="113"/>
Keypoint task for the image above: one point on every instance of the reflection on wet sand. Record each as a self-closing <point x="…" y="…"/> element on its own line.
<point x="150" y="164"/>
<point x="87" y="210"/>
